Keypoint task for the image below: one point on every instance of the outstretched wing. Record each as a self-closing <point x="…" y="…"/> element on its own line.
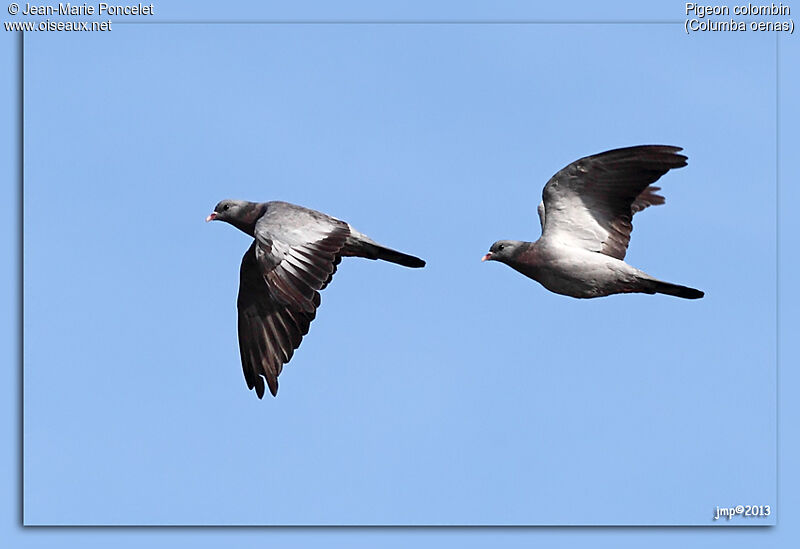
<point x="590" y="203"/>
<point x="294" y="255"/>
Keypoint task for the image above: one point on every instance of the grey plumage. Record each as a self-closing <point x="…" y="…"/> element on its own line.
<point x="586" y="214"/>
<point x="293" y="257"/>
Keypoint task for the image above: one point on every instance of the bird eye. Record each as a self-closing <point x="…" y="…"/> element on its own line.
<point x="225" y="207"/>
<point x="501" y="246"/>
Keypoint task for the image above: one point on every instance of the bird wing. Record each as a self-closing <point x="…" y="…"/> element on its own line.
<point x="590" y="203"/>
<point x="646" y="198"/>
<point x="294" y="255"/>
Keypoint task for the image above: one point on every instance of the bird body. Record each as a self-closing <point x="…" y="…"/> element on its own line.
<point x="576" y="272"/>
<point x="586" y="215"/>
<point x="294" y="254"/>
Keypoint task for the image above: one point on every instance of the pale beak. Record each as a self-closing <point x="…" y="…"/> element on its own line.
<point x="211" y="217"/>
<point x="487" y="257"/>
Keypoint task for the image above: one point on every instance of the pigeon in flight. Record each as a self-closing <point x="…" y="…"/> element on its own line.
<point x="586" y="216"/>
<point x="293" y="257"/>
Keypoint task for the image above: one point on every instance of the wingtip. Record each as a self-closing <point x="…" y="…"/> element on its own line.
<point x="675" y="160"/>
<point x="673" y="150"/>
<point x="667" y="155"/>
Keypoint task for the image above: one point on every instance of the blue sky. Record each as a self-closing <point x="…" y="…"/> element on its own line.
<point x="460" y="394"/>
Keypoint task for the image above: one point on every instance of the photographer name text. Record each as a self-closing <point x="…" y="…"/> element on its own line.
<point x="67" y="8"/>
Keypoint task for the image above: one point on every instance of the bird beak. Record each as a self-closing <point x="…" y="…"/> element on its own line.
<point x="487" y="257"/>
<point x="211" y="217"/>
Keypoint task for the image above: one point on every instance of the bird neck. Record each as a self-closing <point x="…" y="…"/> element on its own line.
<point x="526" y="259"/>
<point x="520" y="253"/>
<point x="247" y="222"/>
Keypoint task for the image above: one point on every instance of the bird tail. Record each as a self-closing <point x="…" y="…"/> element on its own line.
<point x="376" y="251"/>
<point x="360" y="245"/>
<point x="660" y="287"/>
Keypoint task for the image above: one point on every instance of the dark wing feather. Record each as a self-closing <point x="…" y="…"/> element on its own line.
<point x="268" y="331"/>
<point x="647" y="198"/>
<point x="293" y="257"/>
<point x="590" y="203"/>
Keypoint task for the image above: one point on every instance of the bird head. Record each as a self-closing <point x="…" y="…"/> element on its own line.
<point x="228" y="210"/>
<point x="502" y="250"/>
<point x="239" y="213"/>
